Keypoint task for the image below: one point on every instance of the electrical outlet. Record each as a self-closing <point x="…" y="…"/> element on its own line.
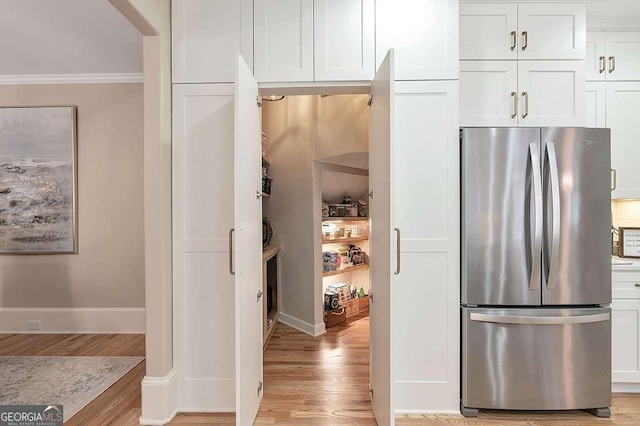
<point x="34" y="325"/>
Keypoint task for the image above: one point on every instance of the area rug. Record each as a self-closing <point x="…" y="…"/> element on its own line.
<point x="72" y="381"/>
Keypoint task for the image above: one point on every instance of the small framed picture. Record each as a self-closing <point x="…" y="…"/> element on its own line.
<point x="630" y="242"/>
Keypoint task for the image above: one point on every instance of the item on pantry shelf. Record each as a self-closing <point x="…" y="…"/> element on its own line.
<point x="361" y="292"/>
<point x="267" y="231"/>
<point x="346" y="199"/>
<point x="325" y="209"/>
<point x="354" y="291"/>
<point x="335" y="316"/>
<point x="266" y="184"/>
<point x="331" y="300"/>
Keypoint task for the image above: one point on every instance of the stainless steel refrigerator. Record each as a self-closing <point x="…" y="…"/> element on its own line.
<point x="536" y="269"/>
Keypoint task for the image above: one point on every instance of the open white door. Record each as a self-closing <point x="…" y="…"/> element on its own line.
<point x="247" y="262"/>
<point x="380" y="154"/>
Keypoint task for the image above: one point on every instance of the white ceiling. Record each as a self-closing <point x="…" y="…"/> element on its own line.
<point x="628" y="10"/>
<point x="66" y="37"/>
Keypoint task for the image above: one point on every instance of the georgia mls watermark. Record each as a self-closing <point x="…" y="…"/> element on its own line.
<point x="31" y="415"/>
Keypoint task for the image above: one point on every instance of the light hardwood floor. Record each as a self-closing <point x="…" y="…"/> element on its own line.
<point x="308" y="381"/>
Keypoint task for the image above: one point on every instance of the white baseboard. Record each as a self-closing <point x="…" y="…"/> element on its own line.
<point x="300" y="325"/>
<point x="73" y="320"/>
<point x="625" y="387"/>
<point x="159" y="399"/>
<point x="114" y="78"/>
<point x="426" y="412"/>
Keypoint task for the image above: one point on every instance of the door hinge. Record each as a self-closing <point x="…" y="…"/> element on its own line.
<point x="259" y="101"/>
<point x="371" y="296"/>
<point x="258" y="194"/>
<point x="370" y="101"/>
<point x="259" y="387"/>
<point x="259" y="295"/>
<point x="371" y="390"/>
<point x="371" y="194"/>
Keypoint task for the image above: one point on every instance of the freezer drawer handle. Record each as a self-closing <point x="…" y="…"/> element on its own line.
<point x="517" y="319"/>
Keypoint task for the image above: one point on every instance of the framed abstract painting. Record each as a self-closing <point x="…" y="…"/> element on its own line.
<point x="38" y="180"/>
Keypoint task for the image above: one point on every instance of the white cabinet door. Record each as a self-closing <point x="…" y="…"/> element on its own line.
<point x="488" y="93"/>
<point x="425" y="210"/>
<point x="344" y="41"/>
<point x="623" y="56"/>
<point x="488" y="31"/>
<point x="595" y="104"/>
<point x="596" y="57"/>
<point x="552" y="93"/>
<point x="283" y="40"/>
<point x="625" y="341"/>
<point x="247" y="260"/>
<point x="423" y="34"/>
<point x="551" y="30"/>
<point x="206" y="34"/>
<point x="202" y="157"/>
<point x="380" y="145"/>
<point x="623" y="104"/>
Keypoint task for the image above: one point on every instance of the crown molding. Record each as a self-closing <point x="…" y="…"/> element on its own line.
<point x="117" y="78"/>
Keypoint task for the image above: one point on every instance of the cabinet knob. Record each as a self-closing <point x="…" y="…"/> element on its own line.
<point x="638" y="285"/>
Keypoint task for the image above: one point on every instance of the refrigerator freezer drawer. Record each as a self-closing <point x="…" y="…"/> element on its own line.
<point x="536" y="359"/>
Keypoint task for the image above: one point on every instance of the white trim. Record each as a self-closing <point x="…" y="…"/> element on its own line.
<point x="426" y="412"/>
<point x="298" y="324"/>
<point x="612" y="25"/>
<point x="116" y="78"/>
<point x="291" y="88"/>
<point x="74" y="320"/>
<point x="625" y="387"/>
<point x="159" y="399"/>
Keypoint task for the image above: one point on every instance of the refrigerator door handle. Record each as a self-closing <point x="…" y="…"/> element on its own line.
<point x="522" y="319"/>
<point x="555" y="212"/>
<point x="537" y="231"/>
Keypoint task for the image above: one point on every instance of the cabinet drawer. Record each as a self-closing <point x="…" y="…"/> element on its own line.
<point x="626" y="284"/>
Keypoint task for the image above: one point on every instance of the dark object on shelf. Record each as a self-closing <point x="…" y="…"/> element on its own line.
<point x="335" y="316"/>
<point x="331" y="300"/>
<point x="267" y="232"/>
<point x="266" y="184"/>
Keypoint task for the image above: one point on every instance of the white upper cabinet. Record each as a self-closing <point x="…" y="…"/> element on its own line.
<point x="488" y="30"/>
<point x="488" y="93"/>
<point x="552" y="93"/>
<point x="344" y="39"/>
<point x="595" y="65"/>
<point x="595" y="104"/>
<point x="283" y="40"/>
<point x="206" y="34"/>
<point x="529" y="31"/>
<point x="613" y="56"/>
<point x="424" y="35"/>
<point x="623" y="104"/>
<point x="522" y="93"/>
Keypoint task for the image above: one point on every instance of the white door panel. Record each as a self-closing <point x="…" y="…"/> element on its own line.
<point x="344" y="41"/>
<point x="423" y="34"/>
<point x="203" y="289"/>
<point x="625" y="340"/>
<point x="623" y="104"/>
<point x="488" y="93"/>
<point x="248" y="245"/>
<point x="550" y="31"/>
<point x="488" y="31"/>
<point x="623" y="56"/>
<point x="596" y="58"/>
<point x="283" y="40"/>
<point x="595" y="104"/>
<point x="552" y="93"/>
<point x="380" y="160"/>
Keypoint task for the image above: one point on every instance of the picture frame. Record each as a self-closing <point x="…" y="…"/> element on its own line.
<point x="38" y="179"/>
<point x="629" y="243"/>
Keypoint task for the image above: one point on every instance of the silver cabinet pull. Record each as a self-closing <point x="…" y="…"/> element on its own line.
<point x="526" y="104"/>
<point x="231" y="271"/>
<point x="397" y="271"/>
<point x="515" y="105"/>
<point x="555" y="221"/>
<point x="638" y="285"/>
<point x="525" y="34"/>
<point x="602" y="64"/>
<point x="614" y="179"/>
<point x="523" y="319"/>
<point x="514" y="39"/>
<point x="612" y="64"/>
<point x="534" y="152"/>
